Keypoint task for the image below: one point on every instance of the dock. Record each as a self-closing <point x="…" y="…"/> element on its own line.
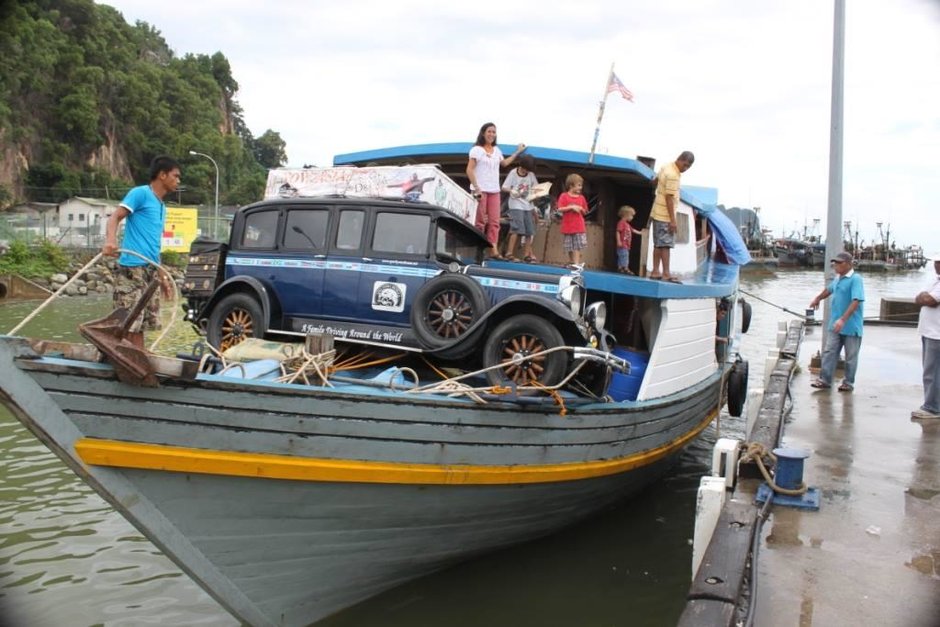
<point x="870" y="555"/>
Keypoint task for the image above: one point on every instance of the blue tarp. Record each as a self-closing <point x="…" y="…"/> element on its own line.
<point x="727" y="235"/>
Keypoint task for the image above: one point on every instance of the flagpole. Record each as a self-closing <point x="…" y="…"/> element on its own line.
<point x="600" y="113"/>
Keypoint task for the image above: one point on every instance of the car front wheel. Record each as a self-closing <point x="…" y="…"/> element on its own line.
<point x="236" y="317"/>
<point x="511" y="345"/>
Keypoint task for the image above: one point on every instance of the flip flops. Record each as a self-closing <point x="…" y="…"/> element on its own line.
<point x="820" y="385"/>
<point x="530" y="259"/>
<point x="845" y="387"/>
<point x="672" y="279"/>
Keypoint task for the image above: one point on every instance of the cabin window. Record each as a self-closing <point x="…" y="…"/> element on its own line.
<point x="260" y="230"/>
<point x="401" y="233"/>
<point x="81" y="217"/>
<point x="306" y="229"/>
<point x="349" y="234"/>
<point x="682" y="228"/>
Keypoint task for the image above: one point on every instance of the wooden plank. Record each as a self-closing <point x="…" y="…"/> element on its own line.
<point x="721" y="573"/>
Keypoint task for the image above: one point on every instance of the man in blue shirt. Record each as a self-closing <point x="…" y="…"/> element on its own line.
<point x="145" y="214"/>
<point x="845" y="327"/>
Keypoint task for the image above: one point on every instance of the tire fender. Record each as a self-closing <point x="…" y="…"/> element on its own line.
<point x="737" y="388"/>
<point x="745" y="315"/>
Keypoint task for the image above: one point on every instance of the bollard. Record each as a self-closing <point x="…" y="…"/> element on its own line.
<point x="788" y="474"/>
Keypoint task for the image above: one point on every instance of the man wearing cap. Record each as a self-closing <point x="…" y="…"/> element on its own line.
<point x="845" y="327"/>
<point x="928" y="325"/>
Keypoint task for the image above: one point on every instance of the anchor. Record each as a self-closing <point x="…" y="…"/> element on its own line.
<point x="124" y="348"/>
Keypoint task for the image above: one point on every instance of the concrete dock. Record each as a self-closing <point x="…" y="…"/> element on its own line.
<point x="871" y="554"/>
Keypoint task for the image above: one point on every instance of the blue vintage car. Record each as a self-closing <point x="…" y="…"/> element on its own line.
<point x="391" y="274"/>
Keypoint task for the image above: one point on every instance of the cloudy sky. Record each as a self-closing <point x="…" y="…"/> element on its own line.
<point x="745" y="85"/>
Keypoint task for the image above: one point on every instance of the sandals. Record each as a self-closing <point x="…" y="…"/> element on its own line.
<point x="654" y="278"/>
<point x="820" y="385"/>
<point x="509" y="258"/>
<point x="845" y="387"/>
<point x="672" y="279"/>
<point x="530" y="259"/>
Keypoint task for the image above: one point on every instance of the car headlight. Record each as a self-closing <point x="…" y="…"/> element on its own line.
<point x="596" y="315"/>
<point x="571" y="293"/>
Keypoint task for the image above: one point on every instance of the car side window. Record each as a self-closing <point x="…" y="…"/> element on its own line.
<point x="260" y="229"/>
<point x="349" y="233"/>
<point x="306" y="229"/>
<point x="401" y="233"/>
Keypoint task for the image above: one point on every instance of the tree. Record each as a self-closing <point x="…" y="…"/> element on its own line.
<point x="270" y="150"/>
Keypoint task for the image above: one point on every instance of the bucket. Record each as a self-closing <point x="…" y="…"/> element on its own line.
<point x="625" y="387"/>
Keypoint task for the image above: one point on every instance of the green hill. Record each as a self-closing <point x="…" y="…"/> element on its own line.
<point x="87" y="100"/>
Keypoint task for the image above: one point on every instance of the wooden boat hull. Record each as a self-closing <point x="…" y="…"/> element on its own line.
<point x="288" y="504"/>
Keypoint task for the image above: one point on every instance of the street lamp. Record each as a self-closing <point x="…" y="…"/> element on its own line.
<point x="216" y="224"/>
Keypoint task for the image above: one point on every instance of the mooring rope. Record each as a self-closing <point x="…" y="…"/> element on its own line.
<point x="85" y="268"/>
<point x="757" y="451"/>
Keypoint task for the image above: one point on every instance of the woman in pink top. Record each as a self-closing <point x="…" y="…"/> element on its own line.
<point x="483" y="172"/>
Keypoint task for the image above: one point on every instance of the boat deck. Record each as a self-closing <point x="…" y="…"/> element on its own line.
<point x="712" y="280"/>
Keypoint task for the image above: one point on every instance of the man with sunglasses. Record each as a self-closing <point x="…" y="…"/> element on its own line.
<point x="845" y="325"/>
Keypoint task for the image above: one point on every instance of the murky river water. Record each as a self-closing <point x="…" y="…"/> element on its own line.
<point x="67" y="558"/>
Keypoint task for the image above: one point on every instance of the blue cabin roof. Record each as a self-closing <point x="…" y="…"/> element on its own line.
<point x="448" y="151"/>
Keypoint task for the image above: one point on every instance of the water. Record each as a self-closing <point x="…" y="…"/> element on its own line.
<point x="67" y="558"/>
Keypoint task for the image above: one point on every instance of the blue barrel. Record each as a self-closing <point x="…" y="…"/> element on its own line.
<point x="625" y="387"/>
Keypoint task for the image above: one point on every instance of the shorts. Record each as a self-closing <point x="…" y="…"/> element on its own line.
<point x="574" y="241"/>
<point x="521" y="222"/>
<point x="129" y="286"/>
<point x="623" y="257"/>
<point x="662" y="236"/>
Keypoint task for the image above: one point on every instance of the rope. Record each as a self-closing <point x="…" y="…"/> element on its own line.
<point x="757" y="451"/>
<point x="85" y="268"/>
<point x="798" y="315"/>
<point x="55" y="294"/>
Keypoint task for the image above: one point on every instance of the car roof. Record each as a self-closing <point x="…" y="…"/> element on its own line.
<point x="380" y="203"/>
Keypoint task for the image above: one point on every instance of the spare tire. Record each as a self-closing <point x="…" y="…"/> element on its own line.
<point x="737" y="388"/>
<point x="446" y="308"/>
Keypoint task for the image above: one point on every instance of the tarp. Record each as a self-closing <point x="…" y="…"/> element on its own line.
<point x="727" y="235"/>
<point x="417" y="183"/>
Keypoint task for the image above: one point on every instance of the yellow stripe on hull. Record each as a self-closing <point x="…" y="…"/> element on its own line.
<point x="118" y="454"/>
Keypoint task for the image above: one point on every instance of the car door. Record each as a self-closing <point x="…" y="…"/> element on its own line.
<point x="302" y="257"/>
<point x="397" y="265"/>
<point x="344" y="265"/>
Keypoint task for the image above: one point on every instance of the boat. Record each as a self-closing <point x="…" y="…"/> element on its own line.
<point x="289" y="499"/>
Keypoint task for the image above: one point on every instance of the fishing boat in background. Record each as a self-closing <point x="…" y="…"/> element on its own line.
<point x="293" y="482"/>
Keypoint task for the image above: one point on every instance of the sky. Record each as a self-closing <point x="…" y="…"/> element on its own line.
<point x="745" y="85"/>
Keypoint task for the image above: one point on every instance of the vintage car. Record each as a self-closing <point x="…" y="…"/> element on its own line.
<point x="392" y="274"/>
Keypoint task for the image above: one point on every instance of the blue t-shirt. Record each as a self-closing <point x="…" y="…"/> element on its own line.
<point x="844" y="290"/>
<point x="143" y="228"/>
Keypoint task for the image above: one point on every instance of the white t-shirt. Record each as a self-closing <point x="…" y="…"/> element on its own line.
<point x="523" y="185"/>
<point x="928" y="324"/>
<point x="487" y="168"/>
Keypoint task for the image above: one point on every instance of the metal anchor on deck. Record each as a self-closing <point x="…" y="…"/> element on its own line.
<point x="123" y="348"/>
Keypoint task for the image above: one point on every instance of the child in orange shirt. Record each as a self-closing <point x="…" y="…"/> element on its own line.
<point x="573" y="206"/>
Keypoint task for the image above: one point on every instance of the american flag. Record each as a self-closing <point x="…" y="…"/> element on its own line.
<point x="614" y="84"/>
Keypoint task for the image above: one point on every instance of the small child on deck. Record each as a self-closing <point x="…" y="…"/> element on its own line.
<point x="573" y="206"/>
<point x="624" y="238"/>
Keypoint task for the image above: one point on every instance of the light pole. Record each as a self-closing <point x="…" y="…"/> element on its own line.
<point x="215" y="226"/>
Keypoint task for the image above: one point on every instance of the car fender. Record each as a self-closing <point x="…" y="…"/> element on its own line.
<point x="557" y="312"/>
<point x="270" y="307"/>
